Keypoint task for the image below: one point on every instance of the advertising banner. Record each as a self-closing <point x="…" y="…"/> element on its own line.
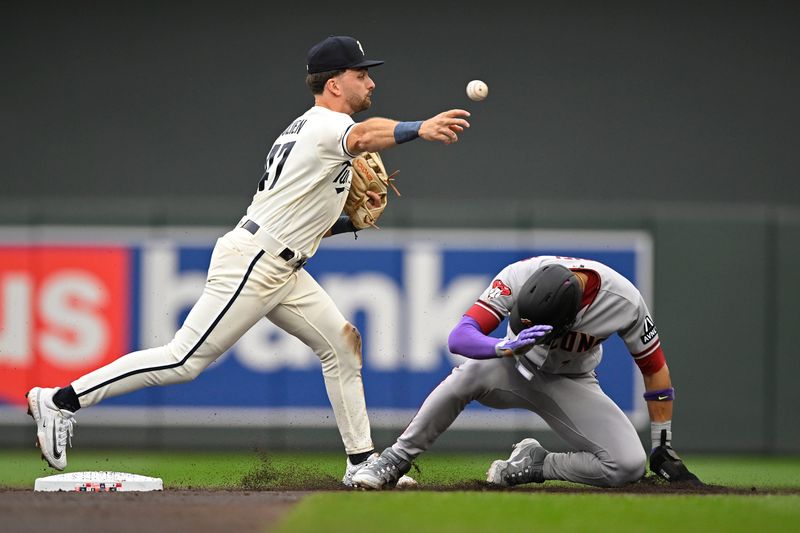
<point x="73" y="299"/>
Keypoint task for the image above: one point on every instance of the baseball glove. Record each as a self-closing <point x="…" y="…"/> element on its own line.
<point x="369" y="174"/>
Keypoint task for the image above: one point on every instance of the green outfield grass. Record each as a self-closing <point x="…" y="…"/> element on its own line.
<point x="20" y="468"/>
<point x="457" y="511"/>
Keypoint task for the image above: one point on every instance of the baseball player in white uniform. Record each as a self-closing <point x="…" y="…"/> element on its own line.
<point x="560" y="311"/>
<point x="256" y="268"/>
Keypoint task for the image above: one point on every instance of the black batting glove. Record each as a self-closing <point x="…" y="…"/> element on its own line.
<point x="666" y="463"/>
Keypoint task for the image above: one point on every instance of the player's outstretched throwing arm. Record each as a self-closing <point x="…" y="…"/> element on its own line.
<point x="367" y="198"/>
<point x="376" y="134"/>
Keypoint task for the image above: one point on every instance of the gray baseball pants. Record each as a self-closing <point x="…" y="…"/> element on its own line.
<point x="608" y="450"/>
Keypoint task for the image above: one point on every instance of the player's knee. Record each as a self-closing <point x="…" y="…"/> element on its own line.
<point x="182" y="369"/>
<point x="343" y="355"/>
<point x="348" y="349"/>
<point x="352" y="339"/>
<point x="627" y="469"/>
<point x="189" y="371"/>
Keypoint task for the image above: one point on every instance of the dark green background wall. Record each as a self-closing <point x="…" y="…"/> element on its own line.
<point x="679" y="118"/>
<point x="589" y="100"/>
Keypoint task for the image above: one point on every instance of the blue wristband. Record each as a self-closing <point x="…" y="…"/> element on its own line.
<point x="406" y="131"/>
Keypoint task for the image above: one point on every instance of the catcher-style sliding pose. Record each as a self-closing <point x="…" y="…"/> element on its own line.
<point x="560" y="311"/>
<point x="256" y="269"/>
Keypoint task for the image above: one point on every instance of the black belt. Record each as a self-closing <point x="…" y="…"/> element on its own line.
<point x="287" y="254"/>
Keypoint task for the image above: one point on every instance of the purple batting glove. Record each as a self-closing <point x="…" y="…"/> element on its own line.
<point x="524" y="341"/>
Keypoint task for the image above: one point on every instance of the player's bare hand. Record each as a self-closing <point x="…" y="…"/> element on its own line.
<point x="374" y="201"/>
<point x="445" y="126"/>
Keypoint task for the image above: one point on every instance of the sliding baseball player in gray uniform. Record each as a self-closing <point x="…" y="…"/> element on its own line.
<point x="560" y="311"/>
<point x="256" y="268"/>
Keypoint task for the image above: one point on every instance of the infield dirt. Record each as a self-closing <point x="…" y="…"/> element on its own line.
<point x="201" y="511"/>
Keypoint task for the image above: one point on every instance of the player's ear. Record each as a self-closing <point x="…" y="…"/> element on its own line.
<point x="333" y="86"/>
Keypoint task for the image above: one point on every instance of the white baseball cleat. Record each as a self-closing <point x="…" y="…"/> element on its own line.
<point x="525" y="465"/>
<point x="53" y="426"/>
<point x="351" y="469"/>
<point x="386" y="471"/>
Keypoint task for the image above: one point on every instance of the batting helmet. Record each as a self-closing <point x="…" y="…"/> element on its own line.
<point x="551" y="296"/>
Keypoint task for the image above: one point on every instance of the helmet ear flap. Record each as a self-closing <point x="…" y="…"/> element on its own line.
<point x="514" y="320"/>
<point x="551" y="296"/>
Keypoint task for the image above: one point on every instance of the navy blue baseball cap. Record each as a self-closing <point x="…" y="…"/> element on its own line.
<point x="338" y="52"/>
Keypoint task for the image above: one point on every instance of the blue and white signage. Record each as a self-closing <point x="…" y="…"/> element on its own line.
<point x="404" y="290"/>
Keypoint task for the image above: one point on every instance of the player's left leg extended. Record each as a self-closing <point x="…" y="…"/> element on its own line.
<point x="233" y="299"/>
<point x="309" y="314"/>
<point x="243" y="283"/>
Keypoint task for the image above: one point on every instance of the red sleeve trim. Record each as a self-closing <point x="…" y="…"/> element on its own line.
<point x="592" y="286"/>
<point x="651" y="363"/>
<point x="486" y="317"/>
<point x="647" y="351"/>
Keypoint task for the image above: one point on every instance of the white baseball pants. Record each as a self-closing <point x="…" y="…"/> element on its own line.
<point x="246" y="283"/>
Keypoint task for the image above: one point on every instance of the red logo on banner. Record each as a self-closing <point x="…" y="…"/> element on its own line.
<point x="63" y="312"/>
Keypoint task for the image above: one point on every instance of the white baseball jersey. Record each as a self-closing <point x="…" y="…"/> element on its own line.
<point x="306" y="180"/>
<point x="611" y="304"/>
<point x="301" y="194"/>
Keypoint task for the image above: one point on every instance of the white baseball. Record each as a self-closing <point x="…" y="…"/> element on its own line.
<point x="477" y="90"/>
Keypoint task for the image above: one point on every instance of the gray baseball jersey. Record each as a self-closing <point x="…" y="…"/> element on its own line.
<point x="563" y="388"/>
<point x="611" y="304"/>
<point x="256" y="271"/>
